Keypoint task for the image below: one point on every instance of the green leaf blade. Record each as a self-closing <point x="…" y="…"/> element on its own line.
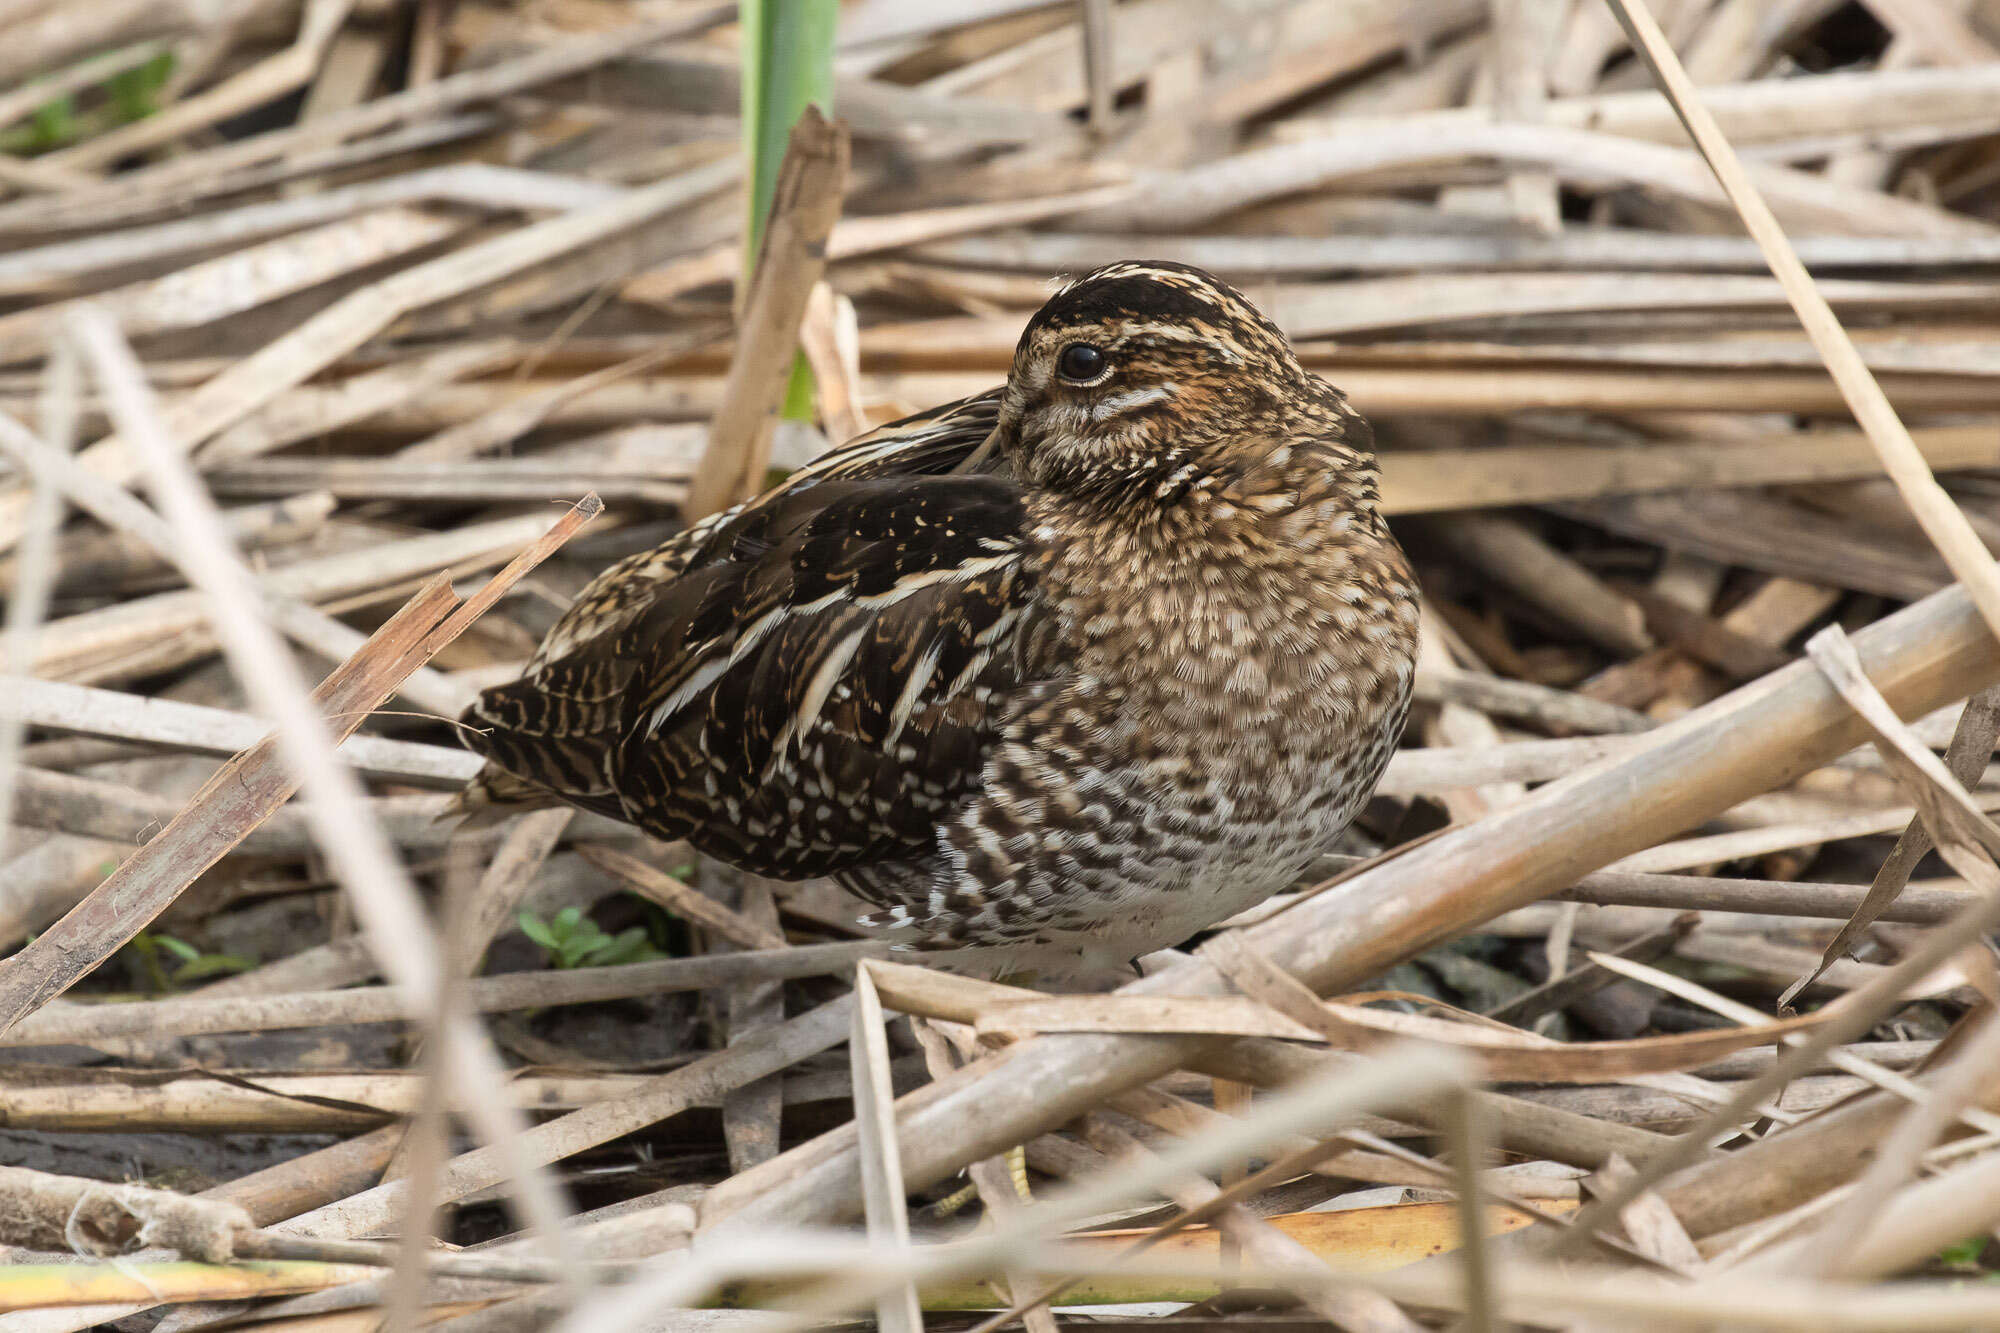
<point x="787" y="65"/>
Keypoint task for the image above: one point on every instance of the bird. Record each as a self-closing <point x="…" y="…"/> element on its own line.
<point x="1071" y="670"/>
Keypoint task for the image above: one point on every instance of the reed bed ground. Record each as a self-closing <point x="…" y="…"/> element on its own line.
<point x="342" y="342"/>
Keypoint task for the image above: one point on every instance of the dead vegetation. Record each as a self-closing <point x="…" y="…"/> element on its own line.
<point x="1663" y="948"/>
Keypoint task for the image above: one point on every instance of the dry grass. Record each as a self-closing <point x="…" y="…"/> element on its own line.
<point x="283" y="378"/>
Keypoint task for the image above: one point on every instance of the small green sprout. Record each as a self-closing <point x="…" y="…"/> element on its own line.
<point x="572" y="939"/>
<point x="152" y="953"/>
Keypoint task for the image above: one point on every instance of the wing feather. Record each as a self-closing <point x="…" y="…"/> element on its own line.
<point x="815" y="685"/>
<point x="546" y="735"/>
<point x="815" y="708"/>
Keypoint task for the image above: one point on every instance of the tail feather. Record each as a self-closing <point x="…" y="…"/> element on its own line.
<point x="493" y="795"/>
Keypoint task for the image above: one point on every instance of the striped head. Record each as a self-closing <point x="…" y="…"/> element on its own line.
<point x="1134" y="372"/>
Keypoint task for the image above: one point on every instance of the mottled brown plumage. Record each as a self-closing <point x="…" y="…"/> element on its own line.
<point x="1117" y="681"/>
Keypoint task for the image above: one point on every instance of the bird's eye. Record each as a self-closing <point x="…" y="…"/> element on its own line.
<point x="1080" y="363"/>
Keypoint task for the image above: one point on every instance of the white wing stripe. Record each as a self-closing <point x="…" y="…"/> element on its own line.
<point x="906" y="700"/>
<point x="823" y="679"/>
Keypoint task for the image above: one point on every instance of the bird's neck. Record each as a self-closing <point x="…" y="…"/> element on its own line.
<point x="1193" y="506"/>
<point x="1287" y="567"/>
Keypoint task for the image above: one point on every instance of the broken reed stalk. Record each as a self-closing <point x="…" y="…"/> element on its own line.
<point x="1971" y="746"/>
<point x="411" y="107"/>
<point x="1967" y="839"/>
<point x="339" y="814"/>
<point x="657" y="1098"/>
<point x="198" y="1014"/>
<point x="36" y="569"/>
<point x="255" y="381"/>
<point x="1407" y="1074"/>
<point x="689" y="903"/>
<point x="1674" y="1169"/>
<point x="1941" y="519"/>
<point x="242" y="794"/>
<point x="367" y="867"/>
<point x="195" y="728"/>
<point x="1760" y="736"/>
<point x="790" y="262"/>
<point x="887" y="1208"/>
<point x="31" y="1288"/>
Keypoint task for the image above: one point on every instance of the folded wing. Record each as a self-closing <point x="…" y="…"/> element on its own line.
<point x="546" y="735"/>
<point x="813" y="687"/>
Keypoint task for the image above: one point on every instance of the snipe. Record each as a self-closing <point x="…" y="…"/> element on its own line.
<point x="1116" y="680"/>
